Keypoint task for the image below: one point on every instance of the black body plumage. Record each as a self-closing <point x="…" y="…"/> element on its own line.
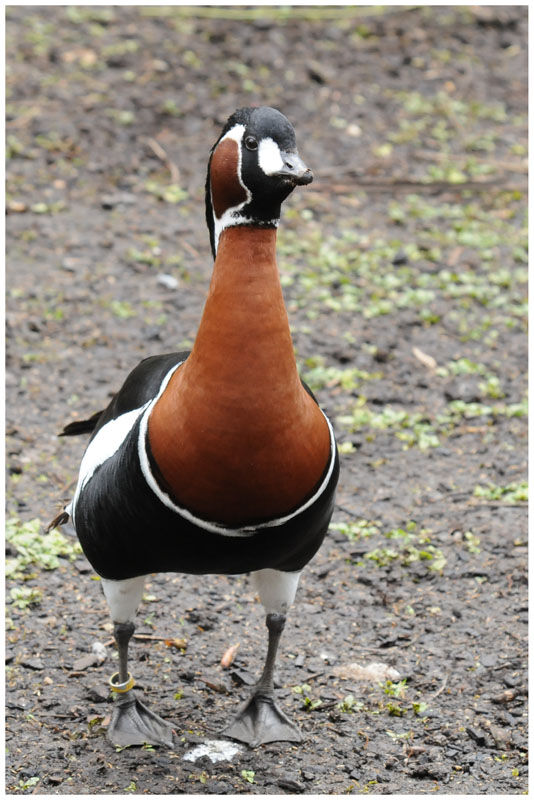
<point x="126" y="530"/>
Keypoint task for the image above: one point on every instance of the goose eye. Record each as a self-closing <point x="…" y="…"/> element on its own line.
<point x="251" y="143"/>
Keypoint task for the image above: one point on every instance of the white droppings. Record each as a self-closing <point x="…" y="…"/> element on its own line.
<point x="215" y="749"/>
<point x="375" y="672"/>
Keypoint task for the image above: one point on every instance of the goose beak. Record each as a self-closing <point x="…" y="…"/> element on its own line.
<point x="294" y="170"/>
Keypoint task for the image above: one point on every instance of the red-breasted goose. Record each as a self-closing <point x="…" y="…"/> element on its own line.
<point x="218" y="460"/>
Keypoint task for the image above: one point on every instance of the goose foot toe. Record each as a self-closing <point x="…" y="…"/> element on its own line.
<point x="135" y="724"/>
<point x="261" y="721"/>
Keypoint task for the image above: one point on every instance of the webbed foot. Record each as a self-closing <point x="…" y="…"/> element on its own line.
<point x="134" y="723"/>
<point x="261" y="721"/>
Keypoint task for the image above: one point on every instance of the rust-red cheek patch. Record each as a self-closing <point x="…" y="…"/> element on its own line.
<point x="226" y="191"/>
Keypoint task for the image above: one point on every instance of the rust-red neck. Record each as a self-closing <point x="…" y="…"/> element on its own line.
<point x="235" y="434"/>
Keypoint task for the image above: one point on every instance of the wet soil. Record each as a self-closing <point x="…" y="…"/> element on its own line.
<point x="110" y="117"/>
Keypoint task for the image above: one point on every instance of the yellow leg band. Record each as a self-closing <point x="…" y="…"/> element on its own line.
<point x="121" y="687"/>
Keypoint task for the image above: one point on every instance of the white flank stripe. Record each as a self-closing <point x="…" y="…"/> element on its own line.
<point x="269" y="157"/>
<point x="105" y="444"/>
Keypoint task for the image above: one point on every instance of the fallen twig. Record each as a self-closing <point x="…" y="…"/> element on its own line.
<point x="441" y="688"/>
<point x="147" y="637"/>
<point x="160" y="153"/>
<point x="216" y="687"/>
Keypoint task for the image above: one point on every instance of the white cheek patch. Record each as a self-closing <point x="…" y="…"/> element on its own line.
<point x="269" y="156"/>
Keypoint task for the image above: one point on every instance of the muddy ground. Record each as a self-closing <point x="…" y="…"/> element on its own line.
<point x="404" y="268"/>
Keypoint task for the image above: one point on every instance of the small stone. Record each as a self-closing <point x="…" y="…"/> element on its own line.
<point x="465" y="388"/>
<point x="89" y="660"/>
<point x="241" y="677"/>
<point x="158" y="65"/>
<point x="476" y="735"/>
<point x="99" y="650"/>
<point x="97" y="693"/>
<point x="109" y="201"/>
<point x="19" y="703"/>
<point x="16" y="207"/>
<point x="83" y="567"/>
<point x="33" y="663"/>
<point x="400" y="257"/>
<point x="290" y="785"/>
<point x="70" y="264"/>
<point x="169" y="281"/>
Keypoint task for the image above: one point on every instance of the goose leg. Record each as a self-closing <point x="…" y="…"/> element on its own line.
<point x="132" y="722"/>
<point x="260" y="720"/>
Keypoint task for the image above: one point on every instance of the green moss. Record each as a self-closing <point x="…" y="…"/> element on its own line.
<point x="34" y="548"/>
<point x="511" y="493"/>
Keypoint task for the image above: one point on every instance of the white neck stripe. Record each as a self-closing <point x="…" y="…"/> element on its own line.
<point x="231" y="216"/>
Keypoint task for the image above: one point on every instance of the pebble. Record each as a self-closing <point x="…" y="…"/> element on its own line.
<point x="83" y="567"/>
<point x="241" y="677"/>
<point x="89" y="660"/>
<point x="109" y="201"/>
<point x="99" y="650"/>
<point x="476" y="735"/>
<point x="290" y="785"/>
<point x="512" y="680"/>
<point x="465" y="388"/>
<point x="97" y="693"/>
<point x="32" y="663"/>
<point x="17" y="207"/>
<point x="70" y="264"/>
<point x="169" y="281"/>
